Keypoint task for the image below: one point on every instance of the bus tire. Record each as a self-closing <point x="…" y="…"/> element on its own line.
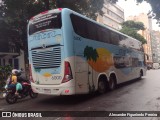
<point x="112" y="82"/>
<point x="140" y="75"/>
<point x="102" y="86"/>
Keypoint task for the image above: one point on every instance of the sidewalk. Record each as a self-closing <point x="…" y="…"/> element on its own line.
<point x="1" y="95"/>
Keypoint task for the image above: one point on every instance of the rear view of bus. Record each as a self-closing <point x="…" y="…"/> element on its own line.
<point x="50" y="72"/>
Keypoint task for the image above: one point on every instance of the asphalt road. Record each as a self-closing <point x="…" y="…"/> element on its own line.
<point x="137" y="95"/>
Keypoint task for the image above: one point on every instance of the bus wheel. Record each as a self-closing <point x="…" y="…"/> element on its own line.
<point x="112" y="83"/>
<point x="102" y="86"/>
<point x="140" y="75"/>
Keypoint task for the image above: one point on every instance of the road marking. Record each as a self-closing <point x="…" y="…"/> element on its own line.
<point x="58" y="118"/>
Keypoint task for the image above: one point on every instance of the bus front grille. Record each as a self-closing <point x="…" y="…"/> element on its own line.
<point x="47" y="59"/>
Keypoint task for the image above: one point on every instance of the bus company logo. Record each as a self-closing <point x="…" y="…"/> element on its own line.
<point x="43" y="46"/>
<point x="6" y="114"/>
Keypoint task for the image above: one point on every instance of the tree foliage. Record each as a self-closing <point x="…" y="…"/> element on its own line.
<point x="90" y="53"/>
<point x="4" y="73"/>
<point x="155" y="4"/>
<point x="15" y="14"/>
<point x="135" y="25"/>
<point x="131" y="28"/>
<point x="88" y="8"/>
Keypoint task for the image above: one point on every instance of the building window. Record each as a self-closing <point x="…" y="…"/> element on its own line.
<point x="10" y="62"/>
<point x="16" y="64"/>
<point x="4" y="62"/>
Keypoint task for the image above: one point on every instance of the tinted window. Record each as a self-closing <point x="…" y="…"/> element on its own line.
<point x="51" y="21"/>
<point x="93" y="31"/>
<point x="130" y="43"/>
<point x="90" y="30"/>
<point x="79" y="25"/>
<point x="123" y="41"/>
<point x="114" y="38"/>
<point x="103" y="34"/>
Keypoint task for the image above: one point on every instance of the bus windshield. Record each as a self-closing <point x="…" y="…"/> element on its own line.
<point x="49" y="21"/>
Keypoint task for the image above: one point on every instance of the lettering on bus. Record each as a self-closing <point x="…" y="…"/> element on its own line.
<point x="56" y="78"/>
<point x="41" y="36"/>
<point x="44" y="17"/>
<point x="46" y="23"/>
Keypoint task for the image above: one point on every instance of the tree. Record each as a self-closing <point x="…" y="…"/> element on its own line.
<point x="134" y="25"/>
<point x="4" y="73"/>
<point x="16" y="14"/>
<point x="89" y="8"/>
<point x="131" y="28"/>
<point x="155" y="4"/>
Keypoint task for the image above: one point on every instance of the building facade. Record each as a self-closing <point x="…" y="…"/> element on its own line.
<point x="145" y="33"/>
<point x="9" y="53"/>
<point x="112" y="16"/>
<point x="155" y="35"/>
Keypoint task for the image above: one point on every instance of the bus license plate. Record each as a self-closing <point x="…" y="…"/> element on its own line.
<point x="47" y="91"/>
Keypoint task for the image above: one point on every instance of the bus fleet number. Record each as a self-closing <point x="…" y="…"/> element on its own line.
<point x="56" y="78"/>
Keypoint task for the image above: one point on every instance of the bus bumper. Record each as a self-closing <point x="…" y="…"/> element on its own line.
<point x="56" y="90"/>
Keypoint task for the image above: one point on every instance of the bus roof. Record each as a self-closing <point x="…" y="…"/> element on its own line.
<point x="66" y="9"/>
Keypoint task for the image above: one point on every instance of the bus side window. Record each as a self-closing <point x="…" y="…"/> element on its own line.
<point x="122" y="41"/>
<point x="114" y="38"/>
<point x="91" y="31"/>
<point x="79" y="25"/>
<point x="103" y="34"/>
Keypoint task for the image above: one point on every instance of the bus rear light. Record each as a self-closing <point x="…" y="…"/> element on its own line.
<point x="66" y="91"/>
<point x="30" y="74"/>
<point x="44" y="12"/>
<point x="67" y="72"/>
<point x="60" y="9"/>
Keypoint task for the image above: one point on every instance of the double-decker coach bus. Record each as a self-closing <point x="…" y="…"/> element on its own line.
<point x="72" y="54"/>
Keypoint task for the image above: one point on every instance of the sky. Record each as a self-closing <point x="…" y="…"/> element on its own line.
<point x="131" y="8"/>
